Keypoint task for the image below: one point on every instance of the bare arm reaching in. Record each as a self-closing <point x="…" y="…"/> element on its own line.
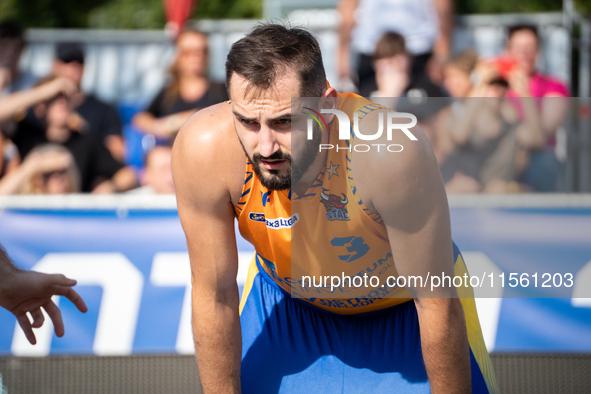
<point x="28" y="291"/>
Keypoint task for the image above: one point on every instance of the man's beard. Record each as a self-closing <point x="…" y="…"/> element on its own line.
<point x="295" y="171"/>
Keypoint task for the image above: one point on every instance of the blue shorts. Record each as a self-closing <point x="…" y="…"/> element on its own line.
<point x="290" y="347"/>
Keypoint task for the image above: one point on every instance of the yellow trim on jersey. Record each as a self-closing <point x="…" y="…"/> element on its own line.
<point x="475" y="338"/>
<point x="252" y="272"/>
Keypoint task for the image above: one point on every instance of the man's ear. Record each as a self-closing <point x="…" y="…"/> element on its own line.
<point x="329" y="101"/>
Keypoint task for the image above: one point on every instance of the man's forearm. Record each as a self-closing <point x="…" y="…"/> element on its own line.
<point x="531" y="135"/>
<point x="444" y="343"/>
<point x="6" y="265"/>
<point x="445" y="15"/>
<point x="7" y="272"/>
<point x="218" y="343"/>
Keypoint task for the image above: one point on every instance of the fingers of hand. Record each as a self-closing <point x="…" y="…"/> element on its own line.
<point x="23" y="321"/>
<point x="56" y="317"/>
<point x="38" y="318"/>
<point x="61" y="280"/>
<point x="73" y="296"/>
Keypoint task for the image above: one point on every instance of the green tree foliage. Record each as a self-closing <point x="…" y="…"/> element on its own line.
<point x="49" y="13"/>
<point x="149" y="14"/>
<point x="128" y="14"/>
<point x="116" y="14"/>
<point x="512" y="6"/>
<point x="506" y="6"/>
<point x="229" y="9"/>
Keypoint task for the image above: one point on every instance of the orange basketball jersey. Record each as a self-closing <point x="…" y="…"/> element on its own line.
<point x="302" y="240"/>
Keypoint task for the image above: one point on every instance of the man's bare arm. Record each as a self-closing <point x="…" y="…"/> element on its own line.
<point x="346" y="9"/>
<point x="445" y="16"/>
<point x="203" y="171"/>
<point x="162" y="127"/>
<point x="14" y="102"/>
<point x="23" y="292"/>
<point x="406" y="189"/>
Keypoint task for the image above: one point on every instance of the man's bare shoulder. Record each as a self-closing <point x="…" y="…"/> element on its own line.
<point x="402" y="171"/>
<point x="208" y="132"/>
<point x="207" y="152"/>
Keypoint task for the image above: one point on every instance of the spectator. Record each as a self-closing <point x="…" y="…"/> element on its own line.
<point x="99" y="171"/>
<point x="392" y="64"/>
<point x="481" y="131"/>
<point x="543" y="114"/>
<point x="425" y="24"/>
<point x="157" y="176"/>
<point x="457" y="74"/>
<point x="48" y="169"/>
<point x="95" y="116"/>
<point x="188" y="91"/>
<point x="457" y="81"/>
<point x="14" y="106"/>
<point x="12" y="44"/>
<point x="9" y="159"/>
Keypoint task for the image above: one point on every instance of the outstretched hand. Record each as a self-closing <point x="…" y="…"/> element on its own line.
<point x="29" y="291"/>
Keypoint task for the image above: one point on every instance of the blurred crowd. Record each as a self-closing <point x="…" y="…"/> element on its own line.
<point x="58" y="139"/>
<point x="493" y="123"/>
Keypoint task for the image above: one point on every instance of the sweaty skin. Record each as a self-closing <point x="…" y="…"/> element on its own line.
<point x="406" y="189"/>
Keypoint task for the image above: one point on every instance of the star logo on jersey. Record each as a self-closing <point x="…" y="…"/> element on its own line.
<point x="332" y="170"/>
<point x="335" y="205"/>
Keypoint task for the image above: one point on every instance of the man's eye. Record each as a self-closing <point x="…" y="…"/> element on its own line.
<point x="284" y="122"/>
<point x="246" y="121"/>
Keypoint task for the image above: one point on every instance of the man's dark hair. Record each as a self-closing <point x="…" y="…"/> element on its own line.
<point x="390" y="44"/>
<point x="515" y="28"/>
<point x="11" y="29"/>
<point x="263" y="55"/>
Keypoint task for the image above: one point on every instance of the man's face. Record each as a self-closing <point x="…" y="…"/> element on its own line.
<point x="58" y="112"/>
<point x="72" y="70"/>
<point x="264" y="125"/>
<point x="523" y="47"/>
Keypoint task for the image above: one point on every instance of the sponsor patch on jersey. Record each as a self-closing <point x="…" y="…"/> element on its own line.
<point x="275" y="223"/>
<point x="283" y="222"/>
<point x="257" y="217"/>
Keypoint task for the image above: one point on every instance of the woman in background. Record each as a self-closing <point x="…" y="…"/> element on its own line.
<point x="188" y="91"/>
<point x="47" y="169"/>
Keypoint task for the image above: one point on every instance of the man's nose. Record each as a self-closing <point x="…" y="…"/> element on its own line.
<point x="267" y="141"/>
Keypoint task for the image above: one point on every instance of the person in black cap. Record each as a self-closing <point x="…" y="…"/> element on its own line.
<point x="95" y="116"/>
<point x="12" y="44"/>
